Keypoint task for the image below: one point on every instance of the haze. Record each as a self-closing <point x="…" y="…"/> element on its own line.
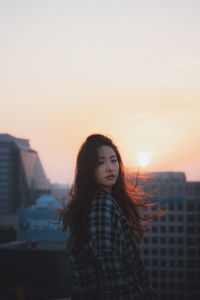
<point x="127" y="69"/>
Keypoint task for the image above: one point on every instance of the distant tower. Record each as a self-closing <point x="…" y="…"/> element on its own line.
<point x="22" y="178"/>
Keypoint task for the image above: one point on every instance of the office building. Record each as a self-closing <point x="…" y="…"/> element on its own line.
<point x="22" y="177"/>
<point x="171" y="249"/>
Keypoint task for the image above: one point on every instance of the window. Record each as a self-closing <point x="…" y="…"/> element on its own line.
<point x="190" y="218"/>
<point x="172" y="240"/>
<point x="163" y="262"/>
<point x="171" y="263"/>
<point x="155" y="273"/>
<point x="172" y="285"/>
<point x="154" y="251"/>
<point x="190" y="241"/>
<point x="190" y="206"/>
<point x="191" y="252"/>
<point x="163" y="274"/>
<point x="163" y="229"/>
<point x="171" y="251"/>
<point x="171" y="218"/>
<point x="154" y="239"/>
<point x="171" y="206"/>
<point x="191" y="275"/>
<point x="155" y="284"/>
<point x="180" y="275"/>
<point x="7" y="163"/>
<point x="180" y="190"/>
<point x="163" y="284"/>
<point x="163" y="296"/>
<point x="146" y="251"/>
<point x="192" y="285"/>
<point x="180" y="240"/>
<point x="163" y="251"/>
<point x="171" y="229"/>
<point x="172" y="274"/>
<point x="154" y="262"/>
<point x="180" y="263"/>
<point x="154" y="228"/>
<point x="180" y="296"/>
<point x="163" y="190"/>
<point x="171" y="190"/>
<point x="180" y="206"/>
<point x="197" y="189"/>
<point x="180" y="218"/>
<point x="5" y="177"/>
<point x="162" y="240"/>
<point x="146" y="262"/>
<point x="180" y="229"/>
<point x="180" y="285"/>
<point x="190" y="229"/>
<point x="180" y="251"/>
<point x="188" y="189"/>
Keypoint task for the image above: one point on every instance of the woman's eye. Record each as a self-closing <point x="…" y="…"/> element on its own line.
<point x="114" y="160"/>
<point x="100" y="162"/>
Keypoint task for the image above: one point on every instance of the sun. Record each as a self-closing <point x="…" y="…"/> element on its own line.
<point x="143" y="158"/>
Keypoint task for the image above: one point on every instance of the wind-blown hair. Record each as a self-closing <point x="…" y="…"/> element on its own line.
<point x="127" y="195"/>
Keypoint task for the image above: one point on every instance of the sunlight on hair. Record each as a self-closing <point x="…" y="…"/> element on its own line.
<point x="143" y="158"/>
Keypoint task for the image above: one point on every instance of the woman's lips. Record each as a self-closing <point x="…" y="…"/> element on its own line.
<point x="110" y="177"/>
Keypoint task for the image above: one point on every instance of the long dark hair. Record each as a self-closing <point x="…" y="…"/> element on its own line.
<point x="127" y="195"/>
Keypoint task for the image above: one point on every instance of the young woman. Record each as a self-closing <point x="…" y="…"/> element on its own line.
<point x="105" y="225"/>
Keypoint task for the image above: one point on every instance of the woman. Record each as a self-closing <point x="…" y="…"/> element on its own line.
<point x="105" y="225"/>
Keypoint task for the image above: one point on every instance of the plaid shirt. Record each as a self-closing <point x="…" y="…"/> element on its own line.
<point x="108" y="266"/>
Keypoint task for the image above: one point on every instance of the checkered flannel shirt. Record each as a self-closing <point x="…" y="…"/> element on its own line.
<point x="108" y="266"/>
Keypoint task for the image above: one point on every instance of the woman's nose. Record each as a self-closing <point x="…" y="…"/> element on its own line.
<point x="109" y="166"/>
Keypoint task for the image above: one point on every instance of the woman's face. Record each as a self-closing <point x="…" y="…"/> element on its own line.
<point x="107" y="170"/>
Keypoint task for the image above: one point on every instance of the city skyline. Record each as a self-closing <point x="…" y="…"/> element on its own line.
<point x="124" y="69"/>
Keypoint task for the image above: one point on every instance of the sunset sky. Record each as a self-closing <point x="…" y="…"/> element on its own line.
<point x="127" y="69"/>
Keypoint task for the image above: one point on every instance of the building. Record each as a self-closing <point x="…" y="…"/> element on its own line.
<point x="60" y="192"/>
<point x="171" y="249"/>
<point x="22" y="177"/>
<point x="40" y="223"/>
<point x="40" y="247"/>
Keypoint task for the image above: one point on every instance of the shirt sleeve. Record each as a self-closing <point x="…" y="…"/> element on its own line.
<point x="105" y="233"/>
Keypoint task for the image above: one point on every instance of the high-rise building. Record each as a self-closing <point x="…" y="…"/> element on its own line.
<point x="22" y="177"/>
<point x="171" y="249"/>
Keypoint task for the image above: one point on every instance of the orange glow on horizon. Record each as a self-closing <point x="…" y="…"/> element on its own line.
<point x="59" y="86"/>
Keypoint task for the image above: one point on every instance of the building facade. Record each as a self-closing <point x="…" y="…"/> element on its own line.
<point x="171" y="248"/>
<point x="22" y="177"/>
<point x="41" y="223"/>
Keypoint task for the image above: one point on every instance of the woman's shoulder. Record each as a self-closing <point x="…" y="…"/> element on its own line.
<point x="103" y="205"/>
<point x="101" y="195"/>
<point x="102" y="199"/>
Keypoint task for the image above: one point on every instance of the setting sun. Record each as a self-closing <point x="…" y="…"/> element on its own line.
<point x="143" y="158"/>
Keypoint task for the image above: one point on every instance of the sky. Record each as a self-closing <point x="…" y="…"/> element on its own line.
<point x="126" y="69"/>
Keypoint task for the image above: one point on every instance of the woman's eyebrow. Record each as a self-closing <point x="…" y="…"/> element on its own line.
<point x="113" y="156"/>
<point x="103" y="157"/>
